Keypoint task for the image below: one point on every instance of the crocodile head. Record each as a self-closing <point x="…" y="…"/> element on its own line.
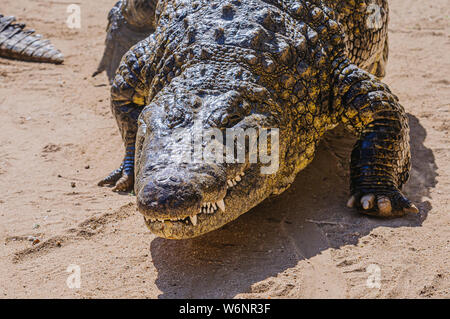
<point x="183" y="194"/>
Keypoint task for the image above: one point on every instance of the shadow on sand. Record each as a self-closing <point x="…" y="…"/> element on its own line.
<point x="301" y="223"/>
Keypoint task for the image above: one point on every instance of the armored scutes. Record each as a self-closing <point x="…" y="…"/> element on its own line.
<point x="18" y="43"/>
<point x="302" y="67"/>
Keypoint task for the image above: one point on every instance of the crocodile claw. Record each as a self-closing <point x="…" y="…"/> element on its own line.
<point x="388" y="204"/>
<point x="121" y="181"/>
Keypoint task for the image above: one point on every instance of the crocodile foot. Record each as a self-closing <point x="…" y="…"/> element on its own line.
<point x="121" y="180"/>
<point x="384" y="204"/>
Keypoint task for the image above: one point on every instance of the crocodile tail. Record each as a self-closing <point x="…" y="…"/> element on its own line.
<point x="18" y="43"/>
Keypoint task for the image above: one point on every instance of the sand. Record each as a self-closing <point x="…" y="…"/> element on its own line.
<point x="58" y="138"/>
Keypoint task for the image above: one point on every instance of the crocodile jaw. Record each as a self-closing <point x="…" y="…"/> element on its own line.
<point x="211" y="216"/>
<point x="239" y="199"/>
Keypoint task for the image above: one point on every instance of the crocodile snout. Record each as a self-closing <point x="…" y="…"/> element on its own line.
<point x="177" y="194"/>
<point x="168" y="197"/>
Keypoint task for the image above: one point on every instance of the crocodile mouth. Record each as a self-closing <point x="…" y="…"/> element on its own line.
<point x="208" y="213"/>
<point x="207" y="209"/>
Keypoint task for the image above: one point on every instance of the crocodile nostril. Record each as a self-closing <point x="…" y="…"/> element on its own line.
<point x="175" y="179"/>
<point x="161" y="179"/>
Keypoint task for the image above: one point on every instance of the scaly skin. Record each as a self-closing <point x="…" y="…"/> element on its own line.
<point x="20" y="44"/>
<point x="256" y="64"/>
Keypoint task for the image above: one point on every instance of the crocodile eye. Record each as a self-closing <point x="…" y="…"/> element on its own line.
<point x="225" y="120"/>
<point x="176" y="118"/>
<point x="218" y="119"/>
<point x="229" y="109"/>
<point x="229" y="120"/>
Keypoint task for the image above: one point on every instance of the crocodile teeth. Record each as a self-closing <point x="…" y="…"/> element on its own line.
<point x="233" y="182"/>
<point x="206" y="208"/>
<point x="210" y="207"/>
<point x="221" y="205"/>
<point x="193" y="220"/>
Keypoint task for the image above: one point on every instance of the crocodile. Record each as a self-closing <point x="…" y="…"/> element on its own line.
<point x="296" y="66"/>
<point x="18" y="43"/>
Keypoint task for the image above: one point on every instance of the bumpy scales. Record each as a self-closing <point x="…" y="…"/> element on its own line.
<point x="18" y="43"/>
<point x="303" y="67"/>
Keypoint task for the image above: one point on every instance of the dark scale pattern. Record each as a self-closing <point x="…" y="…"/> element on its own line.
<point x="18" y="43"/>
<point x="291" y="65"/>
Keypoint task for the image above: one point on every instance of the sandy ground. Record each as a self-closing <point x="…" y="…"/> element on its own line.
<point x="57" y="129"/>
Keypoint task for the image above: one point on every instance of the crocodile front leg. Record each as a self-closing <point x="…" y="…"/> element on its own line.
<point x="122" y="178"/>
<point x="127" y="102"/>
<point x="380" y="161"/>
